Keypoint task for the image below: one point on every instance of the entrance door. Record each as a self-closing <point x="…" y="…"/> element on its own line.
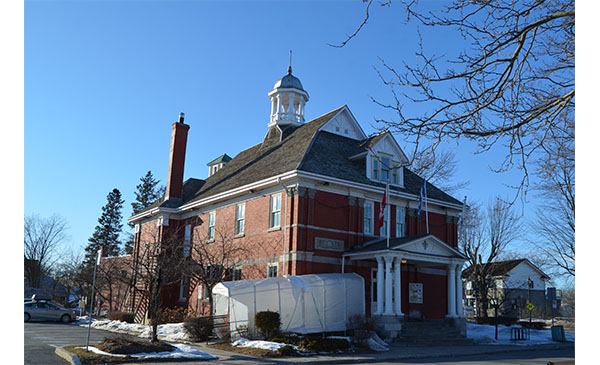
<point x="374" y="289"/>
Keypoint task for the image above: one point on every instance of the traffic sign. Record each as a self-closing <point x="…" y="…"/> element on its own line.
<point x="530" y="306"/>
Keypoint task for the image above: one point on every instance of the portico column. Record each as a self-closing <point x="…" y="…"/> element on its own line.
<point x="451" y="291"/>
<point x="379" y="285"/>
<point x="397" y="288"/>
<point x="459" y="292"/>
<point x="388" y="286"/>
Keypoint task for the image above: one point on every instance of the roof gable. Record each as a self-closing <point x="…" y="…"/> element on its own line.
<point x="385" y="143"/>
<point x="344" y="124"/>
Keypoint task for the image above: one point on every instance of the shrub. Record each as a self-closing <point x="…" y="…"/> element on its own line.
<point x="290" y="340"/>
<point x="124" y="346"/>
<point x="121" y="316"/>
<point x="324" y="344"/>
<point x="287" y="350"/>
<point x="361" y="328"/>
<point x="198" y="328"/>
<point x="267" y="323"/>
<point x="173" y="315"/>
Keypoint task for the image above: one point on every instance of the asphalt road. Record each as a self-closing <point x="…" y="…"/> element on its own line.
<point x="42" y="338"/>
<point x="531" y="357"/>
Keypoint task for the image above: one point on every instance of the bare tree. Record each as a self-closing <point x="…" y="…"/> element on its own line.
<point x="484" y="239"/>
<point x="41" y="239"/>
<point x="158" y="263"/>
<point x="214" y="259"/>
<point x="512" y="85"/>
<point x="113" y="278"/>
<point x="554" y="226"/>
<point x="438" y="168"/>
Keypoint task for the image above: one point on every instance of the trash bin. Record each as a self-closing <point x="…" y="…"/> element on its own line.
<point x="558" y="333"/>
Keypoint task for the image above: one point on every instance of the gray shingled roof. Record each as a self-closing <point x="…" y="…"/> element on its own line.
<point x="298" y="148"/>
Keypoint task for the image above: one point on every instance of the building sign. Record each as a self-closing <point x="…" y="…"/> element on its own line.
<point x="415" y="293"/>
<point x="329" y="244"/>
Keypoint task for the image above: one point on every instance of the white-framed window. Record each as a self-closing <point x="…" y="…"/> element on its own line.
<point x="187" y="240"/>
<point x="272" y="270"/>
<point x="368" y="218"/>
<point x="240" y="214"/>
<point x="210" y="235"/>
<point x="375" y="169"/>
<point x="275" y="215"/>
<point x="183" y="285"/>
<point x="400" y="222"/>
<point x="384" y="169"/>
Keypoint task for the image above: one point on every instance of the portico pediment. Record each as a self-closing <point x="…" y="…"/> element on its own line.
<point x="429" y="245"/>
<point x="426" y="248"/>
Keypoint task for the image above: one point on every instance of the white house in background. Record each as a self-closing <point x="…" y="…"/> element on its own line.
<point x="519" y="282"/>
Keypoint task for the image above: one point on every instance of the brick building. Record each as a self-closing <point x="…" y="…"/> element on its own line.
<point x="306" y="199"/>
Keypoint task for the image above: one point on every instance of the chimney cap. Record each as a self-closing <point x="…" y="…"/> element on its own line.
<point x="181" y="116"/>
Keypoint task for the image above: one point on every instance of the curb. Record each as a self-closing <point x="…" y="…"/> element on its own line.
<point x="70" y="357"/>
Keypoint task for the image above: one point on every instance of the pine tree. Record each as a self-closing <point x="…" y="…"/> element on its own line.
<point x="107" y="232"/>
<point x="146" y="194"/>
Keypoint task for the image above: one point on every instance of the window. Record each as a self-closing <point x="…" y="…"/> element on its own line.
<point x="239" y="218"/>
<point x="384" y="169"/>
<point x="211" y="226"/>
<point x="375" y="173"/>
<point x="183" y="284"/>
<point x="187" y="240"/>
<point x="236" y="274"/>
<point x="272" y="270"/>
<point x="368" y="218"/>
<point x="400" y="220"/>
<point x="275" y="216"/>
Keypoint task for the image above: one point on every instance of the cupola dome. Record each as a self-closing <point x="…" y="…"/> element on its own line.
<point x="287" y="101"/>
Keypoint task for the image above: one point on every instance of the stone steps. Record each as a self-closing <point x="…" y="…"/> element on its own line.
<point x="430" y="333"/>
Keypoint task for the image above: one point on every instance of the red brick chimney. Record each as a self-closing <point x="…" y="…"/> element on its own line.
<point x="177" y="159"/>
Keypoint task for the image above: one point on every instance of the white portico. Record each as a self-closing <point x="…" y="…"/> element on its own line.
<point x="427" y="252"/>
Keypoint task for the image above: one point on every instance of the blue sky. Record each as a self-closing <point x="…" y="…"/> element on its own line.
<point x="104" y="81"/>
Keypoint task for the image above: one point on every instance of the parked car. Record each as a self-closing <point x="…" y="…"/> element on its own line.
<point x="44" y="310"/>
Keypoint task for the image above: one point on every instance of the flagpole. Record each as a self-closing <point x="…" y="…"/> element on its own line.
<point x="426" y="210"/>
<point x="87" y="344"/>
<point x="387" y="193"/>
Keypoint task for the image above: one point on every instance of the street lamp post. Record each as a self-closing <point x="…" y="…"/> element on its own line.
<point x="529" y="286"/>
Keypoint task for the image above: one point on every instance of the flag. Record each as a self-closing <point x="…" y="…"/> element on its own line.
<point x="99" y="256"/>
<point x="422" y="196"/>
<point x="382" y="208"/>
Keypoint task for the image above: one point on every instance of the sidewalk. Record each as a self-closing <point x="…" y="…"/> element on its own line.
<point x="395" y="353"/>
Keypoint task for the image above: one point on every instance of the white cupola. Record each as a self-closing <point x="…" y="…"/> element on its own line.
<point x="287" y="101"/>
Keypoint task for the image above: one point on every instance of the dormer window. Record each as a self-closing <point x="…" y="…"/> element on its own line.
<point x="384" y="169"/>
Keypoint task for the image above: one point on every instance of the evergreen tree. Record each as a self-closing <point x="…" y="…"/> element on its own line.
<point x="106" y="234"/>
<point x="146" y="194"/>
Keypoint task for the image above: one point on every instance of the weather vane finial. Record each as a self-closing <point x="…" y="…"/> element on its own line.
<point x="290" y="67"/>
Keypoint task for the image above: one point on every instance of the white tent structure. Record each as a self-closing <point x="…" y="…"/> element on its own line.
<point x="306" y="304"/>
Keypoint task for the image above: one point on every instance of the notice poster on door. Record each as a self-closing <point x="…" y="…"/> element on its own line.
<point x="415" y="293"/>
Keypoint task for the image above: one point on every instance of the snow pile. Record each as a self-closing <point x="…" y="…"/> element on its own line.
<point x="265" y="345"/>
<point x="485" y="334"/>
<point x="181" y="352"/>
<point x="377" y="344"/>
<point x="173" y="332"/>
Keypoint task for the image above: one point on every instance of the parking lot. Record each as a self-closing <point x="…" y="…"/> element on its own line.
<point x="42" y="338"/>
